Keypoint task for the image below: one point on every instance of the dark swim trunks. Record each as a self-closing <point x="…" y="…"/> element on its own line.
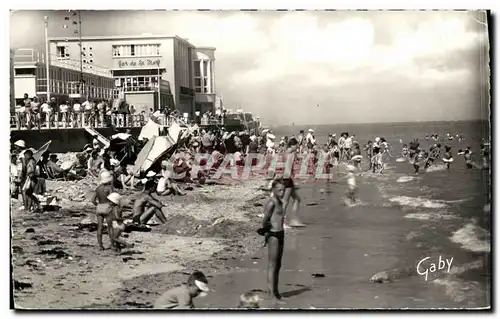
<point x="288" y="183"/>
<point x="280" y="235"/>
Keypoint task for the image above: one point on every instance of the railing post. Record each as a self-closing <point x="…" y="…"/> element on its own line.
<point x="18" y="121"/>
<point x="96" y="120"/>
<point x="38" y="121"/>
<point x="56" y="119"/>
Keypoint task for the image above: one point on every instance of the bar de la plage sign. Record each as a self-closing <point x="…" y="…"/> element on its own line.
<point x="138" y="63"/>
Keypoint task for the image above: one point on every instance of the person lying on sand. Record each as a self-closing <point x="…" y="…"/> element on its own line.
<point x="145" y="206"/>
<point x="100" y="199"/>
<point x="181" y="297"/>
<point x="165" y="184"/>
<point x="117" y="225"/>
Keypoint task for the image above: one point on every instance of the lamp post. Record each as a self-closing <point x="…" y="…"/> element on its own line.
<point x="47" y="57"/>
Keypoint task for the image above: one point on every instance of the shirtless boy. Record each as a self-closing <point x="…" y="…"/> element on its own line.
<point x="145" y="206"/>
<point x="272" y="229"/>
<point x="101" y="201"/>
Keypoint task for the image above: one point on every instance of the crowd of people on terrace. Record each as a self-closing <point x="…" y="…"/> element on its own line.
<point x="33" y="113"/>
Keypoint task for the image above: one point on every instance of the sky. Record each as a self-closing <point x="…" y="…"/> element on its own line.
<point x="318" y="67"/>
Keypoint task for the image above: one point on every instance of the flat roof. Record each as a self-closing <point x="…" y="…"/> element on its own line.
<point x="120" y="37"/>
<point x="206" y="48"/>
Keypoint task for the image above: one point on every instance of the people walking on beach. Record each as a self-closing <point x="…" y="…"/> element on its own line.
<point x="103" y="208"/>
<point x="182" y="297"/>
<point x="273" y="230"/>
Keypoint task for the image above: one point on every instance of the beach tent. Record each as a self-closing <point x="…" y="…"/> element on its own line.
<point x="38" y="154"/>
<point x="174" y="131"/>
<point x="149" y="130"/>
<point x="156" y="147"/>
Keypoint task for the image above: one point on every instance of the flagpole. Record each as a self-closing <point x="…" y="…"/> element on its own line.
<point x="47" y="57"/>
<point x="159" y="96"/>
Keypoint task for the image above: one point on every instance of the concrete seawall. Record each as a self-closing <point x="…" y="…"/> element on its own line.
<point x="64" y="140"/>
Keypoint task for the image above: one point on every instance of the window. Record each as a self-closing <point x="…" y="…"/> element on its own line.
<point x="62" y="52"/>
<point x="197" y="68"/>
<point x="197" y="82"/>
<point x="136" y="50"/>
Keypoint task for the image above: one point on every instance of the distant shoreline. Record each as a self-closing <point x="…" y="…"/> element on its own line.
<point x="384" y="123"/>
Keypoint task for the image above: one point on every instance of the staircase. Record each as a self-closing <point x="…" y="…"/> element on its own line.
<point x="98" y="135"/>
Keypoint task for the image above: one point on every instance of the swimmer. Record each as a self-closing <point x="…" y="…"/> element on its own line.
<point x="273" y="230"/>
<point x="357" y="158"/>
<point x="447" y="157"/>
<point x="100" y="199"/>
<point x="351" y="185"/>
<point x="181" y="297"/>
<point x="249" y="300"/>
<point x="418" y="160"/>
<point x="468" y="158"/>
<point x="404" y="151"/>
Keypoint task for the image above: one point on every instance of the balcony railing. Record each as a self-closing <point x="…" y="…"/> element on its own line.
<point x="31" y="56"/>
<point x="60" y="120"/>
<point x="75" y="87"/>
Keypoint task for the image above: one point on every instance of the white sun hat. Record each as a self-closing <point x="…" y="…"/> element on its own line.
<point x="106" y="177"/>
<point x="201" y="285"/>
<point x="20" y="143"/>
<point x="115" y="198"/>
<point x="151" y="174"/>
<point x="311" y="130"/>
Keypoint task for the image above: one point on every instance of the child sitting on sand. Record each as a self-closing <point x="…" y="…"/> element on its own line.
<point x="249" y="300"/>
<point x="181" y="297"/>
<point x="117" y="225"/>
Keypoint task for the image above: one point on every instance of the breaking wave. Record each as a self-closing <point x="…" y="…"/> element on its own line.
<point x="417" y="202"/>
<point x="404" y="179"/>
<point x="472" y="237"/>
<point x="428" y="216"/>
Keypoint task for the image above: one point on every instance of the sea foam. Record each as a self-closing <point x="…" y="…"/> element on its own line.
<point x="472" y="237"/>
<point x="417" y="202"/>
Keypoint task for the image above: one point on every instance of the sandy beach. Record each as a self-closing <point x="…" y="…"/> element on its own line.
<point x="55" y="253"/>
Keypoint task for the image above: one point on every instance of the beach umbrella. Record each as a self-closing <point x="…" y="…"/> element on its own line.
<point x="38" y="154"/>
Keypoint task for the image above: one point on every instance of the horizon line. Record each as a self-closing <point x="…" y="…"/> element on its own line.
<point x="398" y="122"/>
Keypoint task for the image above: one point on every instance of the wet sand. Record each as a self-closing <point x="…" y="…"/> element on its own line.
<point x="347" y="245"/>
<point x="213" y="230"/>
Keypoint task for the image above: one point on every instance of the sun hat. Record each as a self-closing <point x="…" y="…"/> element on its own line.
<point x="20" y="143"/>
<point x="114" y="162"/>
<point x="106" y="177"/>
<point x="311" y="130"/>
<point x="151" y="174"/>
<point x="115" y="198"/>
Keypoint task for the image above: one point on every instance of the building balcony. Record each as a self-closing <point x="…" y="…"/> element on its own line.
<point x="31" y="57"/>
